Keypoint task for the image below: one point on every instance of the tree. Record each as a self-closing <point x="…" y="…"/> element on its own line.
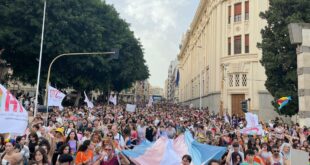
<point x="71" y="26"/>
<point x="279" y="55"/>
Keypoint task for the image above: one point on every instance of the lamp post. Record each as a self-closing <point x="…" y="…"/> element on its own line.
<point x="68" y="54"/>
<point x="40" y="59"/>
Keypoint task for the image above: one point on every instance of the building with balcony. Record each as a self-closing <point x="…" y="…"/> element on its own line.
<point x="219" y="60"/>
<point x="172" y="87"/>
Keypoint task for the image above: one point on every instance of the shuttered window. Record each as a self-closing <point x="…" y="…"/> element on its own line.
<point x="237" y="45"/>
<point x="246" y="43"/>
<point x="237" y="12"/>
<point x="246" y="11"/>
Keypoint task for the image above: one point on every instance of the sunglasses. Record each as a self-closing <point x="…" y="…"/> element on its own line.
<point x="276" y="151"/>
<point x="108" y="149"/>
<point x="109" y="135"/>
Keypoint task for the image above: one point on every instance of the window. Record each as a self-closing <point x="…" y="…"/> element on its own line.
<point x="237" y="12"/>
<point x="229" y="14"/>
<point x="229" y="45"/>
<point x="237" y="80"/>
<point x="246" y="11"/>
<point x="246" y="43"/>
<point x="237" y="45"/>
<point x="244" y="80"/>
<point x="231" y="80"/>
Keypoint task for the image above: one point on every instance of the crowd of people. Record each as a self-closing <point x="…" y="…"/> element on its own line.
<point x="82" y="136"/>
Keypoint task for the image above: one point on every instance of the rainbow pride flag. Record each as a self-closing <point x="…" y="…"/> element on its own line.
<point x="283" y="101"/>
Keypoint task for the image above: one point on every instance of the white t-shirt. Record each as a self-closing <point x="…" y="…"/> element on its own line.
<point x="120" y="139"/>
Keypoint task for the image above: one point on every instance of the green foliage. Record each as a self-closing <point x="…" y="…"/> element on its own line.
<point x="71" y="26"/>
<point x="279" y="55"/>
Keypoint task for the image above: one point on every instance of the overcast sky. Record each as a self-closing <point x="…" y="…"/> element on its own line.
<point x="160" y="25"/>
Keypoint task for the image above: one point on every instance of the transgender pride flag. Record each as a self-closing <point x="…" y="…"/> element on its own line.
<point x="170" y="151"/>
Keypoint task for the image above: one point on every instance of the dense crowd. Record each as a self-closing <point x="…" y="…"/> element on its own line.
<point x="97" y="136"/>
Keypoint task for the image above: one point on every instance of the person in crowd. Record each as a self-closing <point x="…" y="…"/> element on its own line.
<point x="235" y="156"/>
<point x="118" y="137"/>
<point x="171" y="131"/>
<point x="276" y="158"/>
<point x="71" y="128"/>
<point x="257" y="157"/>
<point x="64" y="155"/>
<point x="126" y="133"/>
<point x="40" y="157"/>
<point x="24" y="150"/>
<point x="110" y="157"/>
<point x="96" y="138"/>
<point x="33" y="142"/>
<point x="285" y="152"/>
<point x="249" y="158"/>
<point x="141" y="130"/>
<point x="186" y="160"/>
<point x="59" y="140"/>
<point x="72" y="141"/>
<point x="10" y="156"/>
<point x="2" y="144"/>
<point x="264" y="153"/>
<point x="86" y="135"/>
<point x="85" y="154"/>
<point x="150" y="132"/>
<point x="133" y="134"/>
<point x="214" y="162"/>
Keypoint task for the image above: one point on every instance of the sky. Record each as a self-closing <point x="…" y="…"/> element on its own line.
<point x="159" y="24"/>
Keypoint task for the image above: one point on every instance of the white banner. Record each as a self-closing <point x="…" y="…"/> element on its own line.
<point x="113" y="99"/>
<point x="88" y="102"/>
<point x="131" y="107"/>
<point x="55" y="97"/>
<point x="13" y="116"/>
<point x="252" y="127"/>
<point x="150" y="102"/>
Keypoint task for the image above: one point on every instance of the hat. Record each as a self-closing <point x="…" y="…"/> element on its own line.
<point x="60" y="130"/>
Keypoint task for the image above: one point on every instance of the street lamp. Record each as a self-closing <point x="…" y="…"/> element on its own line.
<point x="69" y="54"/>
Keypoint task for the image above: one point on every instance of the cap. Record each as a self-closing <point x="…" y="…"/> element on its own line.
<point x="60" y="130"/>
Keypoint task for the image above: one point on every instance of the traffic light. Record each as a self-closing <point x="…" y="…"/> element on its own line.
<point x="244" y="106"/>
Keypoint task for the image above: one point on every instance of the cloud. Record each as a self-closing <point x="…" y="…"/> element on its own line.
<point x="159" y="24"/>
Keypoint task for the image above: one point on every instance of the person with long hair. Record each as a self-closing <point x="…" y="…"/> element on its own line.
<point x="33" y="142"/>
<point x="126" y="133"/>
<point x="64" y="155"/>
<point x="264" y="153"/>
<point x="10" y="156"/>
<point x="72" y="141"/>
<point x="70" y="128"/>
<point x="133" y="134"/>
<point x="40" y="157"/>
<point x="285" y="152"/>
<point x="85" y="154"/>
<point x="96" y="139"/>
<point x="109" y="157"/>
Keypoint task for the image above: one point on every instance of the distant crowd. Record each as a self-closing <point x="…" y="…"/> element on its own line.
<point x="78" y="135"/>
